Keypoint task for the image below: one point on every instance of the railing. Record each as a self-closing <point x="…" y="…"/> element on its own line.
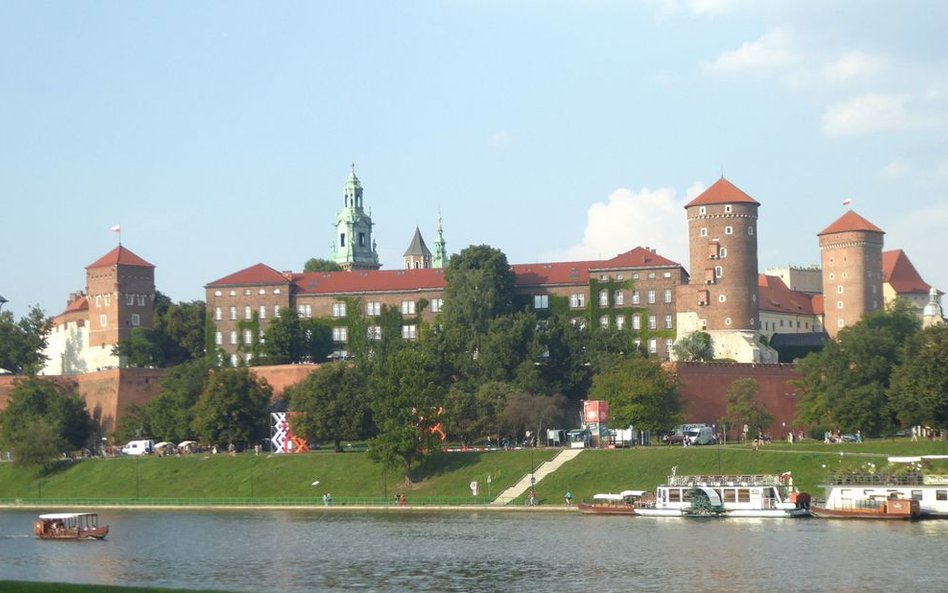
<point x="342" y="501"/>
<point x="866" y="479"/>
<point x="715" y="480"/>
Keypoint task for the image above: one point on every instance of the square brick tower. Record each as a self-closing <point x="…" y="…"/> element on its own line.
<point x="120" y="288"/>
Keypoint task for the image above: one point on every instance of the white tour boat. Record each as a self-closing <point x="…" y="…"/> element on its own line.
<point x="860" y="491"/>
<point x="727" y="496"/>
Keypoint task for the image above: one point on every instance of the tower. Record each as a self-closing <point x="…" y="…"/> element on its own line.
<point x="441" y="254"/>
<point x="417" y="255"/>
<point x="851" y="256"/>
<point x="354" y="248"/>
<point x="932" y="313"/>
<point x="120" y="288"/>
<point x="722" y="295"/>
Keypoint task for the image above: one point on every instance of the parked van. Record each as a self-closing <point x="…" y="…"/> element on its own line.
<point x="699" y="435"/>
<point x="143" y="447"/>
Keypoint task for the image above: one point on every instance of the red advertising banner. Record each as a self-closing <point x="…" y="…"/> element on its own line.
<point x="596" y="411"/>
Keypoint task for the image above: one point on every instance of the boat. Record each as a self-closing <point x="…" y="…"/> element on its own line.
<point x="69" y="526"/>
<point x="727" y="496"/>
<point x="846" y="492"/>
<point x="622" y="503"/>
<point x="893" y="508"/>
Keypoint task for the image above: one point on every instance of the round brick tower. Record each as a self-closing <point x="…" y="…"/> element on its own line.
<point x="851" y="255"/>
<point x="722" y="239"/>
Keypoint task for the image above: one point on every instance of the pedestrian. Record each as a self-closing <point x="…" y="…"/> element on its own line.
<point x="533" y="498"/>
<point x="568" y="497"/>
<point x="401" y="500"/>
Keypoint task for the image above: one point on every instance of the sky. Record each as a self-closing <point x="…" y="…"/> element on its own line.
<point x="220" y="134"/>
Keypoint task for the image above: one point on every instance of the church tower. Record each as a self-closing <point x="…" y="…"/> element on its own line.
<point x="353" y="248"/>
<point x="417" y="255"/>
<point x="851" y="255"/>
<point x="441" y="254"/>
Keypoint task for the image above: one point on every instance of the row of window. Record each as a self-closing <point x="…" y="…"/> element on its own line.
<point x="130" y="300"/>
<point x="635" y="276"/>
<point x="248" y="312"/>
<point x="247" y="292"/>
<point x="636" y="320"/>
<point x="578" y="300"/>
<point x="772" y="325"/>
<point x="136" y="320"/>
<point x="728" y="230"/>
<point x="339" y="334"/>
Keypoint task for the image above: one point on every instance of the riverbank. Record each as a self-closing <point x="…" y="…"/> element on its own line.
<point x="32" y="587"/>
<point x="444" y="482"/>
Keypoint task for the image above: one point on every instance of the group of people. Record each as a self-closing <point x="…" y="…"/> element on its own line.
<point x="327" y="499"/>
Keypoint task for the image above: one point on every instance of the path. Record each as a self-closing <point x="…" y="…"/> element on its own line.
<point x="546" y="468"/>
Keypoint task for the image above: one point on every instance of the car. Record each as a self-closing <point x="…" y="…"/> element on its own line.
<point x="673" y="439"/>
<point x="849" y="438"/>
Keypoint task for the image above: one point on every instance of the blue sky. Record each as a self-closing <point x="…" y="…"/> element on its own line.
<point x="219" y="134"/>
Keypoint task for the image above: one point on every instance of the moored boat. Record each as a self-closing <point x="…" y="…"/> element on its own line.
<point x="69" y="526"/>
<point x="622" y="503"/>
<point x="727" y="496"/>
<point x="893" y="508"/>
<point x="845" y="492"/>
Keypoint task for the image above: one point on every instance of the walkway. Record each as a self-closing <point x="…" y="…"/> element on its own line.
<point x="546" y="468"/>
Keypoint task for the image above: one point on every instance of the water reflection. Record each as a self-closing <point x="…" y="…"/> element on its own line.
<point x="296" y="551"/>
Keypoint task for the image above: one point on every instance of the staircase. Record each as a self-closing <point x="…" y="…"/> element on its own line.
<point x="546" y="468"/>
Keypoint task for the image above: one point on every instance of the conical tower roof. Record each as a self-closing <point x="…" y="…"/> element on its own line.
<point x="850" y="222"/>
<point x="417" y="246"/>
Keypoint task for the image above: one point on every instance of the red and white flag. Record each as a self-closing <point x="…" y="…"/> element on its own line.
<point x="117" y="228"/>
<point x="847" y="201"/>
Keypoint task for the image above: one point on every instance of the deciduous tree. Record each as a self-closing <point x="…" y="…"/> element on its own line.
<point x="233" y="408"/>
<point x="37" y="403"/>
<point x="22" y="342"/>
<point x="332" y="403"/>
<point x="742" y="407"/>
<point x="919" y="389"/>
<point x="640" y="392"/>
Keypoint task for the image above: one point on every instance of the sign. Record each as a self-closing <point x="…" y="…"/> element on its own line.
<point x="595" y="411"/>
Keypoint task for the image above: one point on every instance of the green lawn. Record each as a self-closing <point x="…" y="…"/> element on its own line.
<point x="445" y="479"/>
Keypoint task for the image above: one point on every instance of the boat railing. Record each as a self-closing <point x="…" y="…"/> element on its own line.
<point x="724" y="480"/>
<point x="879" y="479"/>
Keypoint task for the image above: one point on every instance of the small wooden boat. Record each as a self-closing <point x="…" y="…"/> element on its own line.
<point x="70" y="526"/>
<point x="612" y="504"/>
<point x="891" y="509"/>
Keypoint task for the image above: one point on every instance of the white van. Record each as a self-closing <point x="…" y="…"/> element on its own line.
<point x="699" y="435"/>
<point x="144" y="447"/>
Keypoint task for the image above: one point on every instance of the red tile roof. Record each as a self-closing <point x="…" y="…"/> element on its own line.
<point x="360" y="281"/>
<point x="850" y="222"/>
<point x="255" y="274"/>
<point x="899" y="272"/>
<point x="119" y="256"/>
<point x="722" y="191"/>
<point x="777" y="298"/>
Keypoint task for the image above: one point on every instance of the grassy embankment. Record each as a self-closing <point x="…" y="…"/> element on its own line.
<point x="353" y="478"/>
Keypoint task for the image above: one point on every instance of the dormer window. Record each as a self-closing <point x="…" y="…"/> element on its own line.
<point x="342" y="239"/>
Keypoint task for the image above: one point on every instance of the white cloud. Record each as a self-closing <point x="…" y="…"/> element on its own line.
<point x="629" y="219"/>
<point x="896" y="170"/>
<point x="870" y="113"/>
<point x="774" y="51"/>
<point x="852" y="66"/>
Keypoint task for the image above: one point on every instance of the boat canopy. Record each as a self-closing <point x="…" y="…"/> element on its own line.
<point x="64" y="516"/>
<point x="619" y="497"/>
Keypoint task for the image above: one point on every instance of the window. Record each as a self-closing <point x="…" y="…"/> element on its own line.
<point x="409" y="332"/>
<point x="361" y="239"/>
<point x="604" y="298"/>
<point x="666" y="274"/>
<point x="541" y="301"/>
<point x="704" y="232"/>
<point x="635" y="297"/>
<point x="218" y="293"/>
<point x="727" y="208"/>
<point x="636" y="322"/>
<point x="218" y="315"/>
<point x="718" y="271"/>
<point x="232" y="293"/>
<point x="652" y="324"/>
<point x="248" y="312"/>
<point x="247" y="292"/>
<point x="620" y="298"/>
<point x="373" y="309"/>
<point x="839" y="304"/>
<point x="702" y="210"/>
<point x="374" y="332"/>
<point x="276" y="291"/>
<point x="437" y="305"/>
<point x="276" y="311"/>
<point x="727" y="321"/>
<point x="669" y="343"/>
<point x="635" y="276"/>
<point x="263" y="312"/>
<point x="703" y="297"/>
<point x="845" y="275"/>
<point x="340" y="334"/>
<point x="98" y="300"/>
<point x="839" y="289"/>
<point x="620" y="322"/>
<point x="604" y="322"/>
<point x="577" y="300"/>
<point x="233" y="313"/>
<point x="103" y="320"/>
<point x="129" y="299"/>
<point x="342" y="239"/>
<point x="248" y="337"/>
<point x="832" y="276"/>
<point x="651" y="275"/>
<point x="233" y="337"/>
<point x="218" y="338"/>
<point x="728" y="230"/>
<point x="304" y="310"/>
<point x="722" y="298"/>
<point x="840" y="323"/>
<point x="262" y="291"/>
<point x="136" y="319"/>
<point x="234" y="360"/>
<point x="108" y="300"/>
<point x="651" y="297"/>
<point x="941" y="494"/>
<point x="750" y="230"/>
<point x="338" y="309"/>
<point x="668" y="295"/>
<point x="668" y="322"/>
<point x="652" y="346"/>
<point x="637" y="343"/>
<point x="723" y="252"/>
<point x="408" y="307"/>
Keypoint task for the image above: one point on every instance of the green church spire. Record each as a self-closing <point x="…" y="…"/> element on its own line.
<point x="353" y="247"/>
<point x="440" y="258"/>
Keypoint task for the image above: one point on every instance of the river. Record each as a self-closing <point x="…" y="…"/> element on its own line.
<point x="314" y="550"/>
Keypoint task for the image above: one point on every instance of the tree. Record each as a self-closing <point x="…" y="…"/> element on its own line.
<point x="171" y="414"/>
<point x="694" y="347"/>
<point x="640" y="392"/>
<point x="471" y="416"/>
<point x="529" y="412"/>
<point x="406" y="407"/>
<point x="36" y="404"/>
<point x="845" y="386"/>
<point x="22" y="342"/>
<point x="176" y="335"/>
<point x="288" y="338"/>
<point x="743" y="408"/>
<point x="321" y="265"/>
<point x="233" y="408"/>
<point x="140" y="349"/>
<point x="918" y="392"/>
<point x="333" y="404"/>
